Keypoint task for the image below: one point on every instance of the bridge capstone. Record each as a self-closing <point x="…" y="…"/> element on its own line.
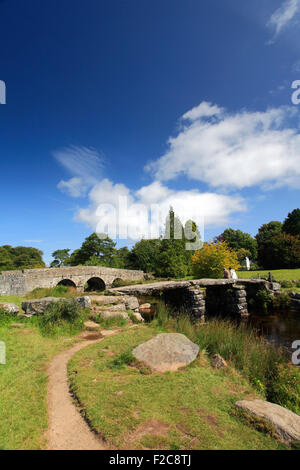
<point x="21" y="282"/>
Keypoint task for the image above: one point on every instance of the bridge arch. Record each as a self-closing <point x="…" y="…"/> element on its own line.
<point x="95" y="284"/>
<point x="117" y="282"/>
<point x="67" y="283"/>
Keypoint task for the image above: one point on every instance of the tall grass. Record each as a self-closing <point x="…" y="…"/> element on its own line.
<point x="61" y="318"/>
<point x="267" y="368"/>
<point x="58" y="291"/>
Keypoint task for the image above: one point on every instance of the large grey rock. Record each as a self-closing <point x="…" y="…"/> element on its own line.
<point x="84" y="301"/>
<point x="114" y="314"/>
<point x="106" y="299"/>
<point x="131" y="303"/>
<point x="138" y="316"/>
<point x="167" y="352"/>
<point x="286" y="423"/>
<point x="38" y="306"/>
<point x="113" y="308"/>
<point x="9" y="308"/>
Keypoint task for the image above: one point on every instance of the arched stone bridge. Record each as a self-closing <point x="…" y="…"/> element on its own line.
<point x="80" y="277"/>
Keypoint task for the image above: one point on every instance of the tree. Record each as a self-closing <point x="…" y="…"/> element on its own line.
<point x="291" y="225"/>
<point x="20" y="257"/>
<point x="174" y="260"/>
<point x="144" y="255"/>
<point x="121" y="258"/>
<point x="210" y="260"/>
<point x="236" y="239"/>
<point x="242" y="254"/>
<point x="100" y="249"/>
<point x="61" y="258"/>
<point x="282" y="251"/>
<point x="264" y="236"/>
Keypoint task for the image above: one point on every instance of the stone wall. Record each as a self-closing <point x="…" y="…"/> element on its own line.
<point x="20" y="282"/>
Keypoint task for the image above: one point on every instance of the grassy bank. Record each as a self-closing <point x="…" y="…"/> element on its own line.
<point x="279" y="274"/>
<point x="267" y="369"/>
<point x="23" y="383"/>
<point x="134" y="409"/>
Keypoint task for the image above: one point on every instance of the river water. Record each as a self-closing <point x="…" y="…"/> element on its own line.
<point x="281" y="328"/>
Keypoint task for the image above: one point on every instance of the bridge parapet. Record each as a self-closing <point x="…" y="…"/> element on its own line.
<point x="20" y="282"/>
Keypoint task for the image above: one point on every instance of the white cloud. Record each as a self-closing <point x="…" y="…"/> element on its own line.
<point x="208" y="208"/>
<point x="234" y="150"/>
<point x="85" y="164"/>
<point x="283" y="16"/>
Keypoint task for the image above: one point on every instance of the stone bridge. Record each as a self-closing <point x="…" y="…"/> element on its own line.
<point x="203" y="298"/>
<point x="80" y="277"/>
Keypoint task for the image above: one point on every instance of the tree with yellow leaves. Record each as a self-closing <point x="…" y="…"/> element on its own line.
<point x="212" y="258"/>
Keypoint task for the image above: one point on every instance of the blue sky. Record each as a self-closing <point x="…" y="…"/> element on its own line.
<point x="171" y="102"/>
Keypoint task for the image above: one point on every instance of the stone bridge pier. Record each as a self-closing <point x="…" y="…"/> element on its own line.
<point x="204" y="298"/>
<point x="80" y="277"/>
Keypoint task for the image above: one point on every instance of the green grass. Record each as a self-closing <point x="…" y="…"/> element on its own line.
<point x="13" y="299"/>
<point x="188" y="409"/>
<point x="279" y="275"/>
<point x="267" y="369"/>
<point x="23" y="384"/>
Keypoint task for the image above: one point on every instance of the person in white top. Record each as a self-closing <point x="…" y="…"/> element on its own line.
<point x="233" y="273"/>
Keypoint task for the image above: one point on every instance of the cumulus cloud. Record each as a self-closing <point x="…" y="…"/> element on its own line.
<point x="283" y="16"/>
<point x="85" y="164"/>
<point x="233" y="151"/>
<point x="116" y="210"/>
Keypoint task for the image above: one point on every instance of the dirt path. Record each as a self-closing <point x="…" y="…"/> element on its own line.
<point x="67" y="429"/>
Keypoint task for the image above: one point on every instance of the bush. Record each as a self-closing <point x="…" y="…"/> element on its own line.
<point x="281" y="301"/>
<point x="285" y="284"/>
<point x="124" y="359"/>
<point x="62" y="316"/>
<point x="210" y="260"/>
<point x="262" y="301"/>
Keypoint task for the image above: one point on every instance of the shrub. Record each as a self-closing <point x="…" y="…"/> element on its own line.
<point x="210" y="260"/>
<point x="124" y="359"/>
<point x="281" y="301"/>
<point x="262" y="301"/>
<point x="285" y="284"/>
<point x="64" y="315"/>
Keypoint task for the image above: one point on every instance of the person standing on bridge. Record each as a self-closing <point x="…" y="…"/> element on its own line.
<point x="227" y="274"/>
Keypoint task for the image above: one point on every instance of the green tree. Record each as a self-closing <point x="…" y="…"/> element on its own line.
<point x="236" y="239"/>
<point x="291" y="225"/>
<point x="174" y="259"/>
<point x="144" y="255"/>
<point x="282" y="251"/>
<point x="121" y="258"/>
<point x="20" y="257"/>
<point x="61" y="258"/>
<point x="264" y="236"/>
<point x="101" y="250"/>
<point x="242" y="253"/>
<point x="6" y="258"/>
